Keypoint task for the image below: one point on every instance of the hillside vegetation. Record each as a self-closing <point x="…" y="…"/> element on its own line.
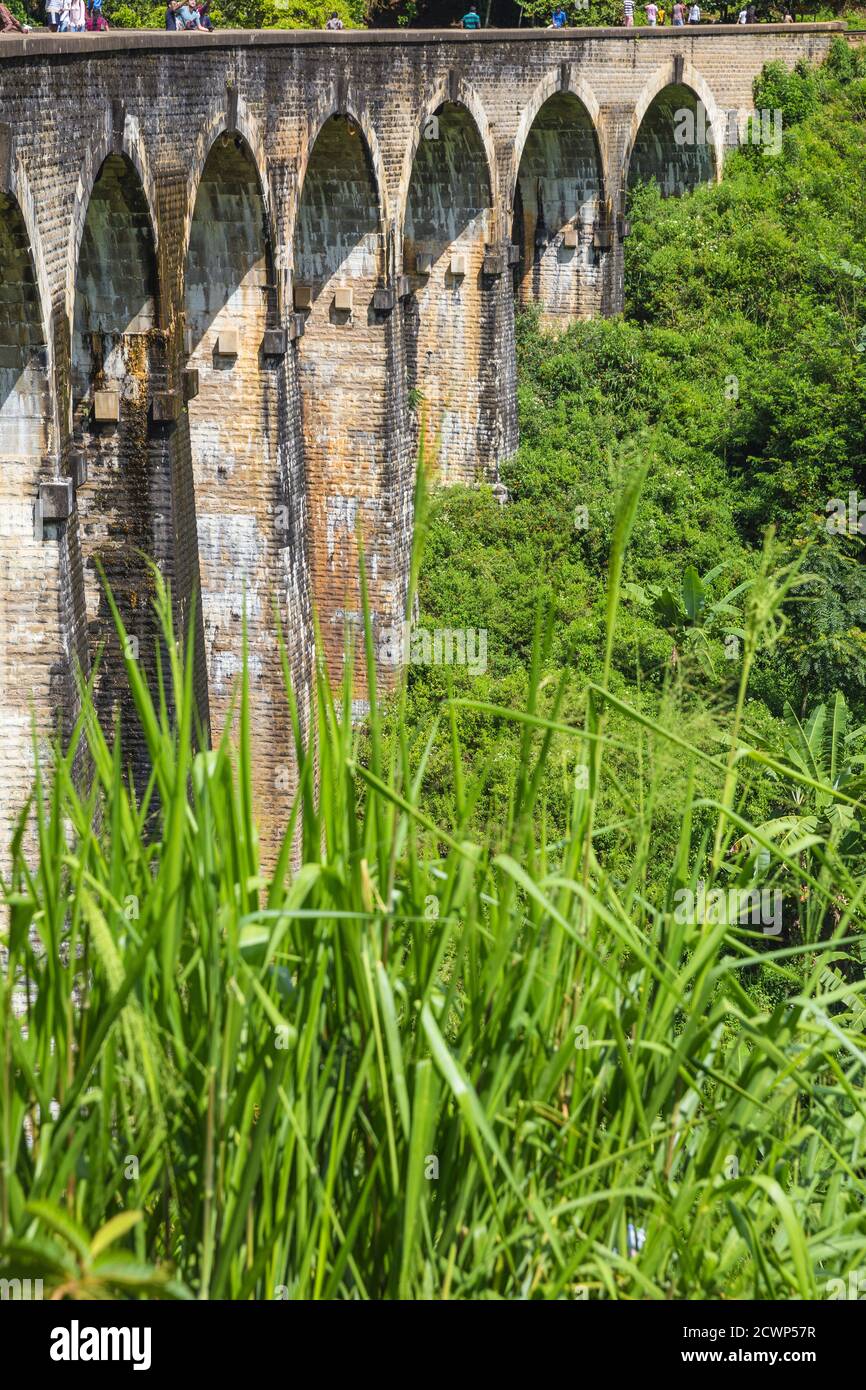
<point x="741" y="363"/>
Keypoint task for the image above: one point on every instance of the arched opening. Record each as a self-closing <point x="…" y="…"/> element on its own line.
<point x="124" y="505"/>
<point x="674" y="143"/>
<point x="236" y="431"/>
<point x="559" y="214"/>
<point x="351" y="406"/>
<point x="29" y="619"/>
<point x="449" y="319"/>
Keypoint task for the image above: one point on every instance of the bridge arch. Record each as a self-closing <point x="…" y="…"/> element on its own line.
<point x="447" y="219"/>
<point x="117" y="363"/>
<point x="31" y="649"/>
<point x="550" y="85"/>
<point x="242" y="122"/>
<point x="326" y="110"/>
<point x="668" y="138"/>
<point x="559" y="202"/>
<point x="457" y="94"/>
<point x="128" y="143"/>
<point x="350" y="383"/>
<point x="237" y="426"/>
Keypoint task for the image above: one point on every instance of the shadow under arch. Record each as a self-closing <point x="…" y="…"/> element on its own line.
<point x="24" y="362"/>
<point x="126" y="144"/>
<point x="551" y="85"/>
<point x="559" y="202"/>
<point x="222" y="127"/>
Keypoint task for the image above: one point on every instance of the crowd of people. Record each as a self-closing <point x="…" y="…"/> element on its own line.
<point x="188" y="14"/>
<point x="682" y="13"/>
<point x="61" y="17"/>
<point x="78" y="16"/>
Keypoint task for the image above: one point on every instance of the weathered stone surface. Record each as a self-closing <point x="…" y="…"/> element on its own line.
<point x="168" y="201"/>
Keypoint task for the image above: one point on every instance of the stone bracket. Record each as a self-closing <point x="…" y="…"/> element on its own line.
<point x="167" y="406"/>
<point x="189" y="383"/>
<point x="494" y="261"/>
<point x="384" y="299"/>
<point x="513" y="253"/>
<point x="55" y="502"/>
<point x="106" y="407"/>
<point x="296" y="327"/>
<point x="601" y="238"/>
<point x="623" y="227"/>
<point x="404" y="286"/>
<point x="78" y="464"/>
<point x="275" y="342"/>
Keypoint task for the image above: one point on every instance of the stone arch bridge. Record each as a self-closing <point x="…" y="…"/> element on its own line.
<point x="240" y="272"/>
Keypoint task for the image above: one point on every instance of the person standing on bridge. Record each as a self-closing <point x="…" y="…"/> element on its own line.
<point x="559" y="18"/>
<point x="652" y="13"/>
<point x="695" y="14"/>
<point x="472" y="19"/>
<point x="334" y="21"/>
<point x="678" y="15"/>
<point x="72" y="17"/>
<point x="188" y="18"/>
<point x="628" y="13"/>
<point x="95" y="18"/>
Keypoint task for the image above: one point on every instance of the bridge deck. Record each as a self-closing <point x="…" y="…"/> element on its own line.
<point x="42" y="44"/>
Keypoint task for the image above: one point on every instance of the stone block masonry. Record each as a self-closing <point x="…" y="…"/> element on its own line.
<point x="239" y="273"/>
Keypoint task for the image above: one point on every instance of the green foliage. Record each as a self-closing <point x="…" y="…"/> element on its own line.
<point x="399" y="1071"/>
<point x="794" y="93"/>
<point x="594" y="12"/>
<point x="739" y="359"/>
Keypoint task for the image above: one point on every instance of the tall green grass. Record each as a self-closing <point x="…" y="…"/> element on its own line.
<point x="401" y="1064"/>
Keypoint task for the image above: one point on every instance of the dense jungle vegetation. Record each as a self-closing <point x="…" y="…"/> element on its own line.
<point x="741" y="360"/>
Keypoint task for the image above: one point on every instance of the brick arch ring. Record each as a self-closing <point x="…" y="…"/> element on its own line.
<point x="355" y="112"/>
<point x="463" y="95"/>
<point x="669" y="75"/>
<point x="551" y="84"/>
<point x="219" y="123"/>
<point x="127" y="142"/>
